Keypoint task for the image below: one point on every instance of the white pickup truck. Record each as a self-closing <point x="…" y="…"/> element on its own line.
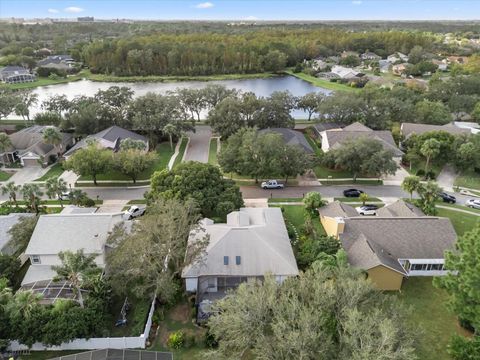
<point x="272" y="184"/>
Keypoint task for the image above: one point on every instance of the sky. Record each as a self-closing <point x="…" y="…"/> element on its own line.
<point x="246" y="9"/>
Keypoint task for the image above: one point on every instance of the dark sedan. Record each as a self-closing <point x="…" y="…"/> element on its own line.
<point x="352" y="193"/>
<point x="447" y="198"/>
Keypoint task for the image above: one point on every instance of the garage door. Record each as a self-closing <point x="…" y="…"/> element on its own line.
<point x="30" y="162"/>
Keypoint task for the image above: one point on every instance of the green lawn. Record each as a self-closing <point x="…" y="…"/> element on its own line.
<point x="137" y="201"/>
<point x="163" y="152"/>
<point x="326" y="84"/>
<point x="456" y="206"/>
<point x="353" y="183"/>
<point x="4" y="176"/>
<point x="55" y="171"/>
<point x="349" y="199"/>
<point x="433" y="323"/>
<point x="469" y="179"/>
<point x="436" y="167"/>
<point x="212" y="153"/>
<point x="41" y="81"/>
<point x="274" y="200"/>
<point x="181" y="151"/>
<point x="294" y="214"/>
<point x="461" y="222"/>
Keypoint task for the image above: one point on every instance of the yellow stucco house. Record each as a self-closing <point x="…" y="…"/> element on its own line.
<point x="399" y="242"/>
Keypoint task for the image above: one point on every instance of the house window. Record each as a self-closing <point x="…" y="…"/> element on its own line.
<point x="35" y="259"/>
<point x="225" y="260"/>
<point x="238" y="260"/>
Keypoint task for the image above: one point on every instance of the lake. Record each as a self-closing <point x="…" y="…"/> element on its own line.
<point x="261" y="87"/>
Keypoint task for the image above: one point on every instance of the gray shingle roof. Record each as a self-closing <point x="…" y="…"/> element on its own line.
<point x="291" y="137"/>
<point x="327" y="126"/>
<point x="113" y="134"/>
<point x="31" y="140"/>
<point x="393" y="238"/>
<point x="409" y="129"/>
<point x="263" y="245"/>
<point x="337" y="209"/>
<point x="400" y="208"/>
<point x="356" y="130"/>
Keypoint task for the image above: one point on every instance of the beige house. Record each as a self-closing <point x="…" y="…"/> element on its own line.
<point x="334" y="138"/>
<point x="398" y="243"/>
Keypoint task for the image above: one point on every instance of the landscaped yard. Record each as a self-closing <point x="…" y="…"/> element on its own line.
<point x="181" y="317"/>
<point x="164" y="153"/>
<point x="212" y="153"/>
<point x="461" y="222"/>
<point x="326" y="84"/>
<point x="55" y="171"/>
<point x="430" y="317"/>
<point x="357" y="200"/>
<point x="4" y="176"/>
<point x="181" y="151"/>
<point x="469" y="179"/>
<point x="289" y="200"/>
<point x="294" y="214"/>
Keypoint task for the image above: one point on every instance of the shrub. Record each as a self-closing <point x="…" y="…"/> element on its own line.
<point x="176" y="340"/>
<point x="420" y="173"/>
<point x="210" y="341"/>
<point x="86" y="202"/>
<point x="52" y="158"/>
<point x="430" y="175"/>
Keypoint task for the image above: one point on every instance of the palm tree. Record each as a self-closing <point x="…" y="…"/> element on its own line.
<point x="430" y="149"/>
<point x="56" y="187"/>
<point x="32" y="193"/>
<point x="170" y="130"/>
<point x="411" y="184"/>
<point x="11" y="189"/>
<point x="24" y="303"/>
<point x="52" y="136"/>
<point x="5" y="144"/>
<point x="363" y="198"/>
<point x="77" y="268"/>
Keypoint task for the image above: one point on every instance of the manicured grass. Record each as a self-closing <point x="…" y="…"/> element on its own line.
<point x="457" y="206"/>
<point x="349" y="199"/>
<point x="326" y="84"/>
<point x="212" y="152"/>
<point x="4" y="176"/>
<point x="353" y="183"/>
<point x="163" y="154"/>
<point x="55" y="171"/>
<point x="430" y="317"/>
<point x="469" y="179"/>
<point x="41" y="81"/>
<point x="295" y="215"/>
<point x="136" y="316"/>
<point x="137" y="201"/>
<point x="181" y="151"/>
<point x="323" y="172"/>
<point x="420" y="165"/>
<point x="461" y="222"/>
<point x="274" y="200"/>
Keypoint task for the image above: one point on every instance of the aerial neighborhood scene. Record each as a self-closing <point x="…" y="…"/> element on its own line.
<point x="242" y="180"/>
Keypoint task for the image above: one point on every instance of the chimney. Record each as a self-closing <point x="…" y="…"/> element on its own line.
<point x="238" y="219"/>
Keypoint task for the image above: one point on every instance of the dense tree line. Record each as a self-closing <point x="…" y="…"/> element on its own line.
<point x="213" y="53"/>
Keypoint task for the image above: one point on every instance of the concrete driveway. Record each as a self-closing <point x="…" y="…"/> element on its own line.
<point x="199" y="144"/>
<point x="28" y="174"/>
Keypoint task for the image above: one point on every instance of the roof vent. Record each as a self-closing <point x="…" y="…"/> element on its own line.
<point x="238" y="218"/>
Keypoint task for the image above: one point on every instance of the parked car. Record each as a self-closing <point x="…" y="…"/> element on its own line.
<point x="447" y="198"/>
<point x="134" y="211"/>
<point x="65" y="196"/>
<point x="473" y="203"/>
<point x="352" y="193"/>
<point x="272" y="184"/>
<point x="367" y="209"/>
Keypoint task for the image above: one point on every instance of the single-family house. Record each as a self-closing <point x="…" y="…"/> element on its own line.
<point x="400" y="242"/>
<point x="334" y="138"/>
<point x="6" y="223"/>
<point x="368" y="55"/>
<point x="399" y="69"/>
<point x="328" y="75"/>
<point x="291" y="137"/>
<point x="396" y="57"/>
<point x="30" y="148"/>
<point x="323" y="126"/>
<point x="408" y="129"/>
<point x="252" y="243"/>
<point x="110" y="138"/>
<point x="345" y="72"/>
<point x="317" y="64"/>
<point x="65" y="232"/>
<point x="472" y="126"/>
<point x="16" y="74"/>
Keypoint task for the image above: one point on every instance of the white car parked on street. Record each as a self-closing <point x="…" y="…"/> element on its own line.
<point x="473" y="203"/>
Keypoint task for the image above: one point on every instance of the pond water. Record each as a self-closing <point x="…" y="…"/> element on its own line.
<point x="261" y="87"/>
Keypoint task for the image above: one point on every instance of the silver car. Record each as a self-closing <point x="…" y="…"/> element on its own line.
<point x="473" y="203"/>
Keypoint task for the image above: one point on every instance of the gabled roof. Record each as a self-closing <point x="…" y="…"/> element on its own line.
<point x="408" y="129"/>
<point x="357" y="130"/>
<point x="113" y="134"/>
<point x="291" y="137"/>
<point x="400" y="208"/>
<point x="327" y="126"/>
<point x="6" y="223"/>
<point x="337" y="209"/>
<point x="392" y="238"/>
<point x="31" y="140"/>
<point x="13" y="68"/>
<point x="257" y="235"/>
<point x="62" y="232"/>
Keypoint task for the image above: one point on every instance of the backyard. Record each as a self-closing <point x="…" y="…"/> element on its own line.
<point x="429" y="317"/>
<point x="462" y="222"/>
